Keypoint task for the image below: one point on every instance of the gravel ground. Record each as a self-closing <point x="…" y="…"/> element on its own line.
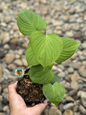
<point x="64" y="17"/>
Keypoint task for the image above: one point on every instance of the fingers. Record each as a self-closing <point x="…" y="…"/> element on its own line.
<point x="12" y="90"/>
<point x="40" y="107"/>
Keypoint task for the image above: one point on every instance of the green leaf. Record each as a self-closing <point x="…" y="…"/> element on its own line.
<point x="29" y="22"/>
<point x="56" y="78"/>
<point x="47" y="48"/>
<point x="40" y="75"/>
<point x="69" y="48"/>
<point x="30" y="57"/>
<point x="54" y="93"/>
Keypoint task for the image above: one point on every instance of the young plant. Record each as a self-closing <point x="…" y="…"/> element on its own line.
<point x="42" y="51"/>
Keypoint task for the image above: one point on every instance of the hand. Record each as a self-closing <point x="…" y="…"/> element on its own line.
<point x="18" y="106"/>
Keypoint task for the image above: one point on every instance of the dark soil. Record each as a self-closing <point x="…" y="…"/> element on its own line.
<point x="28" y="90"/>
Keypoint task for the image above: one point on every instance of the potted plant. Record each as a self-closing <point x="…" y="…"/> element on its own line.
<point x="42" y="51"/>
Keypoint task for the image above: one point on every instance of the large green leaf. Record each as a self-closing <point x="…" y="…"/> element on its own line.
<point x="30" y="57"/>
<point x="29" y="22"/>
<point x="40" y="75"/>
<point x="47" y="48"/>
<point x="69" y="48"/>
<point x="56" y="78"/>
<point x="54" y="93"/>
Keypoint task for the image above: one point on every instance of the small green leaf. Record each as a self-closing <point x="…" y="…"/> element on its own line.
<point x="29" y="22"/>
<point x="56" y="78"/>
<point x="69" y="48"/>
<point x="40" y="75"/>
<point x="30" y="57"/>
<point x="54" y="93"/>
<point x="47" y="48"/>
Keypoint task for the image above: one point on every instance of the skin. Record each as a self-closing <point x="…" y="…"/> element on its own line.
<point x="18" y="106"/>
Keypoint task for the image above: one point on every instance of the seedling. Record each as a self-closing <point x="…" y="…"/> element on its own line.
<point x="42" y="51"/>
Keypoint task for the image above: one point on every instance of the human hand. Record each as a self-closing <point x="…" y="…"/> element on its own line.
<point x="18" y="106"/>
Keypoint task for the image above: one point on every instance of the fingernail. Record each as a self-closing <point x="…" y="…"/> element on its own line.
<point x="48" y="102"/>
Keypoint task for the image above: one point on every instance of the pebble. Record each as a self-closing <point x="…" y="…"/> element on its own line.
<point x="68" y="112"/>
<point x="0" y="89"/>
<point x="24" y="61"/>
<point x="5" y="108"/>
<point x="69" y="99"/>
<point x="74" y="77"/>
<point x="72" y="92"/>
<point x="82" y="110"/>
<point x="2" y="54"/>
<point x="54" y="111"/>
<point x="1" y="98"/>
<point x="83" y="98"/>
<point x="1" y="113"/>
<point x="1" y="72"/>
<point x="76" y="108"/>
<point x="70" y="34"/>
<point x="82" y="71"/>
<point x="18" y="62"/>
<point x="76" y="65"/>
<point x="62" y="74"/>
<point x="7" y="19"/>
<point x="5" y="95"/>
<point x="10" y="58"/>
<point x="6" y="46"/>
<point x="74" y="85"/>
<point x="68" y="106"/>
<point x="12" y="66"/>
<point x="70" y="70"/>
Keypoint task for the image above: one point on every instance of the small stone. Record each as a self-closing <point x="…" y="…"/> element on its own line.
<point x="9" y="58"/>
<point x="81" y="58"/>
<point x="24" y="61"/>
<point x="69" y="99"/>
<point x="18" y="62"/>
<point x="74" y="77"/>
<point x="14" y="40"/>
<point x="76" y="107"/>
<point x="84" y="45"/>
<point x="46" y="111"/>
<point x="76" y="65"/>
<point x="71" y="11"/>
<point x="12" y="66"/>
<point x="82" y="71"/>
<point x="2" y="113"/>
<point x="0" y="72"/>
<point x="6" y="46"/>
<point x="6" y="108"/>
<point x="62" y="74"/>
<point x="82" y="110"/>
<point x="74" y="85"/>
<point x="68" y="112"/>
<point x="5" y="95"/>
<point x="72" y="1"/>
<point x="7" y="19"/>
<point x="68" y="106"/>
<point x="57" y="23"/>
<point x="72" y="92"/>
<point x="0" y="89"/>
<point x="83" y="98"/>
<point x="1" y="98"/>
<point x="61" y="67"/>
<point x="5" y="90"/>
<point x="66" y="18"/>
<point x="53" y="111"/>
<point x="70" y="70"/>
<point x="20" y="51"/>
<point x="66" y="63"/>
<point x="2" y="54"/>
<point x="76" y="27"/>
<point x="70" y="34"/>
